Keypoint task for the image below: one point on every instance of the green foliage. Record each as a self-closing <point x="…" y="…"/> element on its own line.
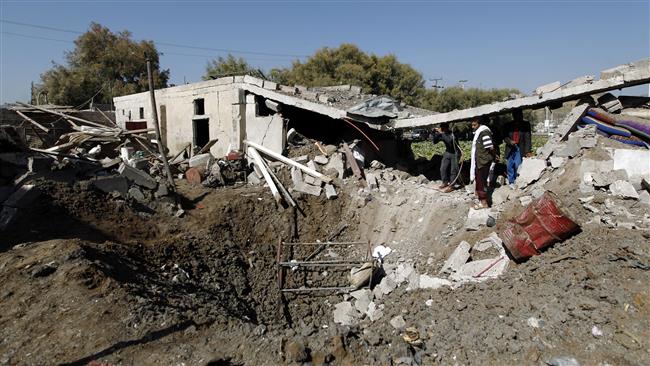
<point x="426" y="149"/>
<point x="347" y="64"/>
<point x="453" y="98"/>
<point x="105" y="61"/>
<point x="230" y="65"/>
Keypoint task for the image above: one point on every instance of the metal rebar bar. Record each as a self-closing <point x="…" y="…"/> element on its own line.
<point x="309" y="289"/>
<point x="329" y="243"/>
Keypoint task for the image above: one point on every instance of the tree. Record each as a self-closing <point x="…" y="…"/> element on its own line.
<point x="230" y="65"/>
<point x="103" y="63"/>
<point x="347" y="64"/>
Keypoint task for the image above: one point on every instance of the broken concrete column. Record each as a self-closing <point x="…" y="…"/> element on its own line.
<point x="137" y="176"/>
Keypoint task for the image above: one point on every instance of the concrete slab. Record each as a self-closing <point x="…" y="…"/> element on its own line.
<point x="336" y="163"/>
<point x="457" y="258"/>
<point x="112" y="184"/>
<point x="398" y="322"/>
<point x="477" y="218"/>
<point x="432" y="283"/>
<point x="557" y="162"/>
<point x="363" y="297"/>
<point x="529" y="171"/>
<point x="547" y="88"/>
<point x="137" y="176"/>
<point x="374" y="312"/>
<point x="481" y="270"/>
<point x="345" y="314"/>
<point x="624" y="189"/>
<point x="330" y="192"/>
<point x="321" y="159"/>
<point x="372" y="181"/>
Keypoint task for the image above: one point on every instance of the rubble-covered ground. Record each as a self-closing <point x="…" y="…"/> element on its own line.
<point x="88" y="277"/>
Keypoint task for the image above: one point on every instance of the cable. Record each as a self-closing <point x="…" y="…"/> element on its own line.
<point x="160" y="43"/>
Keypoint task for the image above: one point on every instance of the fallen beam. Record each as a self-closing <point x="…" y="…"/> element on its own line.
<point x="47" y="130"/>
<point x="634" y="74"/>
<point x="67" y="116"/>
<point x="265" y="173"/>
<point x="286" y="160"/>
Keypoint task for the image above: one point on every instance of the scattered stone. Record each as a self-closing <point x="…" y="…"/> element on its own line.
<point x="301" y="159"/>
<point x="374" y="312"/>
<point x="321" y="159"/>
<point x="563" y="361"/>
<point x="477" y="271"/>
<point x="295" y="351"/>
<point x="492" y="241"/>
<point x="644" y="197"/>
<point x="403" y="272"/>
<point x="529" y="171"/>
<point x="330" y="192"/>
<point x="501" y="195"/>
<point x="112" y="184"/>
<point x="398" y="322"/>
<point x="308" y="189"/>
<point x="253" y="179"/>
<point x="526" y="200"/>
<point x="385" y="287"/>
<point x="533" y="322"/>
<point x="330" y="149"/>
<point x="428" y="282"/>
<point x="336" y="163"/>
<point x="162" y="190"/>
<point x="456" y="259"/>
<point x="623" y="189"/>
<point x="345" y="314"/>
<point x="421" y="179"/>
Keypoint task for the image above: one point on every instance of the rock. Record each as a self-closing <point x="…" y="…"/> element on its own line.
<point x="385" y="287"/>
<point x="644" y="197"/>
<point x="563" y="361"/>
<point x="569" y="149"/>
<point x="44" y="270"/>
<point x="330" y="192"/>
<point x="398" y="322"/>
<point x="501" y="195"/>
<point x="456" y="259"/>
<point x="330" y="149"/>
<point x="336" y="163"/>
<point x="421" y="179"/>
<point x="624" y="189"/>
<point x="529" y="171"/>
<point x="428" y="282"/>
<point x="363" y="297"/>
<point x="136" y="194"/>
<point x="253" y="179"/>
<point x="200" y="161"/>
<point x="604" y="179"/>
<point x="345" y="314"/>
<point x="372" y="181"/>
<point x="321" y="159"/>
<point x="301" y="159"/>
<point x="162" y="190"/>
<point x="526" y="200"/>
<point x="557" y="161"/>
<point x="296" y="352"/>
<point x="403" y="272"/>
<point x="477" y="218"/>
<point x="492" y="241"/>
<point x="374" y="312"/>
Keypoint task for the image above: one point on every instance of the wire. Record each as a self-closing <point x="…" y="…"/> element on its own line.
<point x="160" y="43"/>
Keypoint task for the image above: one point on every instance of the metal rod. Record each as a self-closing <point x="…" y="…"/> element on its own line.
<point x="309" y="289"/>
<point x="308" y="264"/>
<point x="154" y="112"/>
<point x="329" y="243"/>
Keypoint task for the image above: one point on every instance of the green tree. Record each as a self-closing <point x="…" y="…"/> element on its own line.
<point x="347" y="64"/>
<point x="230" y="65"/>
<point x="109" y="64"/>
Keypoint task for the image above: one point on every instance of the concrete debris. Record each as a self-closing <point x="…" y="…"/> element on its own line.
<point x="363" y="297"/>
<point x="623" y="189"/>
<point x="428" y="282"/>
<point x="112" y="184"/>
<point x="200" y="161"/>
<point x="308" y="189"/>
<point x="610" y="103"/>
<point x="634" y="162"/>
<point x="345" y="314"/>
<point x="136" y="194"/>
<point x="501" y="195"/>
<point x="398" y="322"/>
<point x="530" y="170"/>
<point x="492" y="241"/>
<point x="547" y="88"/>
<point x="604" y="179"/>
<point x="137" y="176"/>
<point x="557" y="162"/>
<point x="456" y="259"/>
<point x="480" y="270"/>
<point x="374" y="311"/>
<point x="644" y="197"/>
<point x="569" y="149"/>
<point x="526" y="200"/>
<point x="477" y="218"/>
<point x="336" y="163"/>
<point x="563" y="361"/>
<point x="385" y="286"/>
<point x="372" y="181"/>
<point x="301" y="159"/>
<point x="253" y="179"/>
<point x="330" y="192"/>
<point x="321" y="159"/>
<point x="403" y="272"/>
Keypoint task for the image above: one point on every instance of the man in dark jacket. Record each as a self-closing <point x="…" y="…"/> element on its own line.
<point x="518" y="141"/>
<point x="449" y="162"/>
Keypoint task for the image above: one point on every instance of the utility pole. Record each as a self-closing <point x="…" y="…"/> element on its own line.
<point x="435" y="83"/>
<point x="154" y="113"/>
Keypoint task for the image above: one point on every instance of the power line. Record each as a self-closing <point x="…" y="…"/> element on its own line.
<point x="243" y="52"/>
<point x="162" y="52"/>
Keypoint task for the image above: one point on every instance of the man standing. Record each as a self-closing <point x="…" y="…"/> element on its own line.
<point x="483" y="155"/>
<point x="518" y="143"/>
<point x="449" y="162"/>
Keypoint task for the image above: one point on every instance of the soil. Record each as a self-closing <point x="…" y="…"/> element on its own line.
<point x="87" y="277"/>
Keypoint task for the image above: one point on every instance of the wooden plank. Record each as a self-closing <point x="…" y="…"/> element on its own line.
<point x="286" y="160"/>
<point x="47" y="130"/>
<point x="107" y="118"/>
<point x="207" y="147"/>
<point x="352" y="161"/>
<point x="62" y="115"/>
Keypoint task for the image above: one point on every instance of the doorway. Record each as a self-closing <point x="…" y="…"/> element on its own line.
<point x="201" y="128"/>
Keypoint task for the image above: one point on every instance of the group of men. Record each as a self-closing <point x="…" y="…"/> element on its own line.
<point x="485" y="154"/>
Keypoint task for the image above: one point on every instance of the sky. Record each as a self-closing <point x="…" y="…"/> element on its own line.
<point x="491" y="43"/>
